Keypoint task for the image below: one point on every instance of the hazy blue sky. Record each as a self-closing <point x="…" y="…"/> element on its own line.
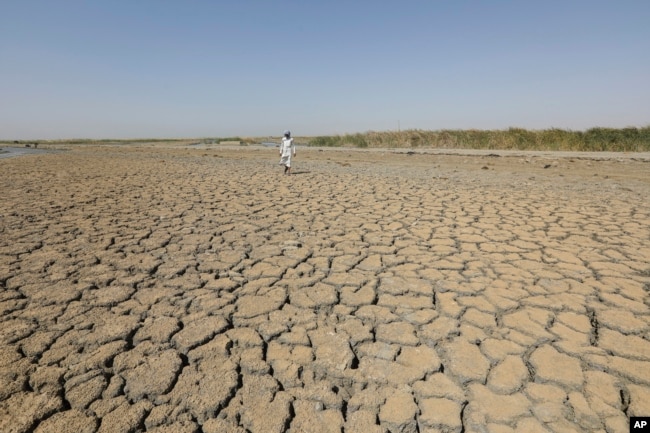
<point x="162" y="68"/>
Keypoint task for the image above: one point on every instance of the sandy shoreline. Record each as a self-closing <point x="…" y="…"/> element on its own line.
<point x="165" y="289"/>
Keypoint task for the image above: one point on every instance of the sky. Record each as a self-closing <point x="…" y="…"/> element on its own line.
<point x="198" y="68"/>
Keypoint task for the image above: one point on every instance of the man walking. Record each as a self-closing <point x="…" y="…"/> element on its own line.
<point x="287" y="148"/>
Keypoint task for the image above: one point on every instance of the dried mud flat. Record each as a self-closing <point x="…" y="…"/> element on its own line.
<point x="199" y="290"/>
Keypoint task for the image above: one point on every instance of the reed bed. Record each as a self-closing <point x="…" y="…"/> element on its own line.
<point x="593" y="140"/>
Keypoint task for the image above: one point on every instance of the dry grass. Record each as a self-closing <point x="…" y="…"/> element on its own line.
<point x="595" y="139"/>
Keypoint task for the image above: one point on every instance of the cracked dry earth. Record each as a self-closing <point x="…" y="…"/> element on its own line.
<point x="187" y="290"/>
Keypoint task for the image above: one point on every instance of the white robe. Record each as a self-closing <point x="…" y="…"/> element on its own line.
<point x="287" y="148"/>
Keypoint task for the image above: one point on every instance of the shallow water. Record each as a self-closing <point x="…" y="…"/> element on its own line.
<point x="8" y="152"/>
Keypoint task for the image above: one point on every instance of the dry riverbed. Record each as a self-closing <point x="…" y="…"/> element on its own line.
<point x="162" y="289"/>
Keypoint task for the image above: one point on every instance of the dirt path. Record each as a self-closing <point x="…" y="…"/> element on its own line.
<point x="199" y="290"/>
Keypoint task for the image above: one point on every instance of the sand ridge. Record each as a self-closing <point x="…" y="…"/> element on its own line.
<point x="200" y="290"/>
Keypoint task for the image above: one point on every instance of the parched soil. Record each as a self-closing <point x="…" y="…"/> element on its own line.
<point x="189" y="290"/>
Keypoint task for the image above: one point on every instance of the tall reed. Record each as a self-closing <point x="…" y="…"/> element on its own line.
<point x="595" y="139"/>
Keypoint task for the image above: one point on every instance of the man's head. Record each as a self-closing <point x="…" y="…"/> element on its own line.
<point x="287" y="133"/>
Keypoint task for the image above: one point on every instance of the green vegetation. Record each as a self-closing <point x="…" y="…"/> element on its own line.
<point x="92" y="141"/>
<point x="594" y="139"/>
<point x="242" y="140"/>
<point x="109" y="141"/>
<point x="355" y="140"/>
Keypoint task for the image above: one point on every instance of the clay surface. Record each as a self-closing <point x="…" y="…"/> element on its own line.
<point x="162" y="289"/>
